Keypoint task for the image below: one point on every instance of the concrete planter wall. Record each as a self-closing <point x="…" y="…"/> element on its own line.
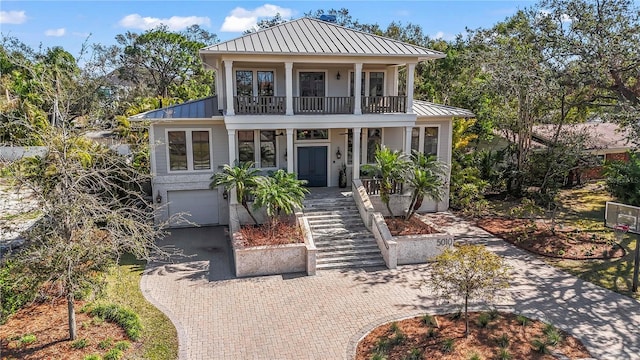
<point x="273" y="259"/>
<point x="398" y="250"/>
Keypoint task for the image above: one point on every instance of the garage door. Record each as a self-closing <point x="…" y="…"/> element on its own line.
<point x="201" y="204"/>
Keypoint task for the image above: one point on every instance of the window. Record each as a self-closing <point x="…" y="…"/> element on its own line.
<point x="375" y="81"/>
<point x="312" y="84"/>
<point x="312" y="134"/>
<point x="244" y="82"/>
<point x="189" y="150"/>
<point x="265" y="140"/>
<point x="177" y="150"/>
<point x="265" y="83"/>
<point x="376" y="84"/>
<point x="267" y="148"/>
<point x="425" y="139"/>
<point x="246" y="146"/>
<point x="374" y="141"/>
<point x="255" y="83"/>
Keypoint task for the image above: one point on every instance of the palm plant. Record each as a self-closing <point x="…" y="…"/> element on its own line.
<point x="391" y="166"/>
<point x="426" y="180"/>
<point x="279" y="193"/>
<point x="241" y="177"/>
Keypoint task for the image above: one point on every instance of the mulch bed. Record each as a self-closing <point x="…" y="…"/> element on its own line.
<point x="48" y="322"/>
<point x="419" y="343"/>
<point x="400" y="227"/>
<point x="285" y="232"/>
<point x="565" y="244"/>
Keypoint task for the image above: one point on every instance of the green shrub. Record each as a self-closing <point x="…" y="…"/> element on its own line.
<point x="80" y="344"/>
<point x="16" y="289"/>
<point x="523" y="320"/>
<point x="415" y="354"/>
<point x="394" y="327"/>
<point x="398" y="338"/>
<point x="448" y="345"/>
<point x="382" y="346"/>
<point x="553" y="337"/>
<point x="105" y="344"/>
<point x="483" y="320"/>
<point x="93" y="357"/>
<point x="432" y="333"/>
<point x="429" y="320"/>
<point x="503" y="354"/>
<point x="493" y="314"/>
<point x="378" y="356"/>
<point x="540" y="346"/>
<point x="125" y="318"/>
<point x="122" y="345"/>
<point x="475" y="356"/>
<point x="113" y="354"/>
<point x="503" y="341"/>
<point x="27" y="339"/>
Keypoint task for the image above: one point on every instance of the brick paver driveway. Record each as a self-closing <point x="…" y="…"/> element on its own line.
<point x="323" y="316"/>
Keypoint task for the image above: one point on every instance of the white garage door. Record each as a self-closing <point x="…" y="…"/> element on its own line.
<point x="201" y="204"/>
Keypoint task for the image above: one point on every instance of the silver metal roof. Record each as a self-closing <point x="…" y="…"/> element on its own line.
<point x="429" y="109"/>
<point x="308" y="36"/>
<point x="195" y="109"/>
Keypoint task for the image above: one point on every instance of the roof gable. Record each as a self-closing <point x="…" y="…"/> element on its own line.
<point x="308" y="36"/>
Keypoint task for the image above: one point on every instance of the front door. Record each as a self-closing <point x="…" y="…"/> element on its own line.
<point x="312" y="165"/>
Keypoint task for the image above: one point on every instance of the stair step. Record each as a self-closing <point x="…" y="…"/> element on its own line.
<point x="348" y="257"/>
<point x="340" y="233"/>
<point x="351" y="264"/>
<point x="332" y="215"/>
<point x="317" y="224"/>
<point x="348" y="252"/>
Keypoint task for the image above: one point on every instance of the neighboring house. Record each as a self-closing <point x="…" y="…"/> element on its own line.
<point x="305" y="96"/>
<point x="606" y="141"/>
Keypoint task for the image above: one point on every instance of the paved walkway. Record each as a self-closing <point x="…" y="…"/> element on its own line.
<point x="323" y="317"/>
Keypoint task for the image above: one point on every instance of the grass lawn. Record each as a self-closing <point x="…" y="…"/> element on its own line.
<point x="583" y="208"/>
<point x="159" y="338"/>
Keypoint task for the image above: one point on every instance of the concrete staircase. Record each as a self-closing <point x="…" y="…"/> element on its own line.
<point x="339" y="233"/>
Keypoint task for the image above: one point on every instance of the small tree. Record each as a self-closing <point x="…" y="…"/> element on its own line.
<point x="280" y="192"/>
<point x="426" y="180"/>
<point x="242" y="178"/>
<point x="469" y="272"/>
<point x="93" y="210"/>
<point x="391" y="166"/>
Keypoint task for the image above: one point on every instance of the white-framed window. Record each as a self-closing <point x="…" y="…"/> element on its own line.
<point x="425" y="139"/>
<point x="312" y="83"/>
<point x="372" y="83"/>
<point x="312" y="134"/>
<point x="255" y="82"/>
<point x="265" y="141"/>
<point x="189" y="150"/>
<point x="374" y="142"/>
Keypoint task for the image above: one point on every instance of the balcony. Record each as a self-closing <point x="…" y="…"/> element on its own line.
<point x="274" y="105"/>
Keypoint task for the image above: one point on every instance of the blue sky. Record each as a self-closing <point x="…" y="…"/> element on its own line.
<point x="69" y="23"/>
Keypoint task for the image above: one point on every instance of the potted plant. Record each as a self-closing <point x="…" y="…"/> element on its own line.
<point x="342" y="176"/>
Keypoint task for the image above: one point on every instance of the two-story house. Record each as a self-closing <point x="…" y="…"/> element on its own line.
<point x="305" y="96"/>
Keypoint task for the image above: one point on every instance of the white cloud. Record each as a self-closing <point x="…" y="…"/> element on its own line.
<point x="55" y="32"/>
<point x="174" y="23"/>
<point x="12" y="17"/>
<point x="443" y="36"/>
<point x="241" y="19"/>
<point x="565" y="18"/>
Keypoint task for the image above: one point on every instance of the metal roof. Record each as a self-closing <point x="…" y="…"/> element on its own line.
<point x="195" y="109"/>
<point x="601" y="135"/>
<point x="308" y="36"/>
<point x="429" y="109"/>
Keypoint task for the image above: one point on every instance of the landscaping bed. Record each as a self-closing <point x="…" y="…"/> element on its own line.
<point x="285" y="232"/>
<point x="566" y="243"/>
<point x="40" y="331"/>
<point x="398" y="226"/>
<point x="492" y="335"/>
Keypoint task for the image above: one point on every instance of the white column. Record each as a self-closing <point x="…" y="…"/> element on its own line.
<point x="219" y="84"/>
<point x="357" y="89"/>
<point x="356" y="153"/>
<point x="232" y="161"/>
<point x="411" y="69"/>
<point x="290" y="150"/>
<point x="407" y="139"/>
<point x="228" y="74"/>
<point x="288" y="86"/>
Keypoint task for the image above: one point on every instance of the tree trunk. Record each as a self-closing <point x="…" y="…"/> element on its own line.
<point x="466" y="316"/>
<point x="73" y="334"/>
<point x="246" y="207"/>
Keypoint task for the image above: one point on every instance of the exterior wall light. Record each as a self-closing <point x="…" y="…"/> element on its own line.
<point x="338" y="154"/>
<point x="158" y="198"/>
<point x="338" y="75"/>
